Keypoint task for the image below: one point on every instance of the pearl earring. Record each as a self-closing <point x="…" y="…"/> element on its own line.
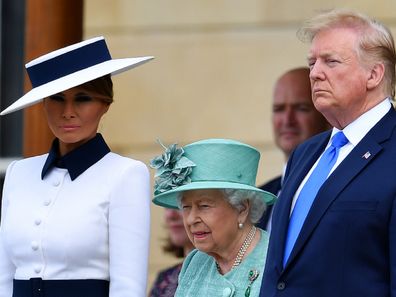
<point x="240" y="225"/>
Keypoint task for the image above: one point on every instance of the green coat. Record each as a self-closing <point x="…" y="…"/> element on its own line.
<point x="199" y="276"/>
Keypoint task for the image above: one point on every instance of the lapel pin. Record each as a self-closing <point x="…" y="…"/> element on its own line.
<point x="366" y="155"/>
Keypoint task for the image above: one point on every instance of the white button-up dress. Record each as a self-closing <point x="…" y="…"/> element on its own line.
<point x="94" y="227"/>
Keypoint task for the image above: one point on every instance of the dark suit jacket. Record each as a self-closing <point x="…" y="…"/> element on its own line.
<point x="347" y="245"/>
<point x="273" y="186"/>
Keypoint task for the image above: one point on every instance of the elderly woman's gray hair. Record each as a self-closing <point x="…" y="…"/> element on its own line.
<point x="237" y="198"/>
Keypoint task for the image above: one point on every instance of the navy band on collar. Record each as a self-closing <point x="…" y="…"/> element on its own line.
<point x="69" y="62"/>
<point x="79" y="159"/>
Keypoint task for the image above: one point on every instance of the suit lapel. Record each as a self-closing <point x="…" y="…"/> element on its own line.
<point x="352" y="165"/>
<point x="282" y="208"/>
<point x="273" y="188"/>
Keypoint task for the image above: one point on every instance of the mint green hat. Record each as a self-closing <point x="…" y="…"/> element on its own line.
<point x="206" y="164"/>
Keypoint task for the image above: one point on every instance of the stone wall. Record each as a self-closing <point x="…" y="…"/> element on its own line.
<point x="214" y="68"/>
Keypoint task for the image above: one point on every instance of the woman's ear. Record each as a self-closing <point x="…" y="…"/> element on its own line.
<point x="244" y="211"/>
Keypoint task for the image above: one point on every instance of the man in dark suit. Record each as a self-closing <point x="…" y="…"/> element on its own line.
<point x="345" y="245"/>
<point x="294" y="120"/>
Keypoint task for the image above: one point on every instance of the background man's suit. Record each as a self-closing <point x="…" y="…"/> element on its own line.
<point x="273" y="186"/>
<point x="351" y="223"/>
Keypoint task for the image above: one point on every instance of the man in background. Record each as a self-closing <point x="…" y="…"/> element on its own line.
<point x="294" y="120"/>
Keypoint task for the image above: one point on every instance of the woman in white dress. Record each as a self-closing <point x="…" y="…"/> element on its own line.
<point x="75" y="222"/>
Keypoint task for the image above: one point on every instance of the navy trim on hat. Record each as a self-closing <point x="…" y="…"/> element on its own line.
<point x="68" y="63"/>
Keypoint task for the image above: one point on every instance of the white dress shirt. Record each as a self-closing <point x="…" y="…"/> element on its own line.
<point x="355" y="132"/>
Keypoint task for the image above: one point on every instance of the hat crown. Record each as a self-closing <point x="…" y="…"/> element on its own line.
<point x="223" y="160"/>
<point x="206" y="164"/>
<point x="67" y="60"/>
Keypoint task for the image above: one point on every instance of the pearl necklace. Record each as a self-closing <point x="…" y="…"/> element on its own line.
<point x="245" y="245"/>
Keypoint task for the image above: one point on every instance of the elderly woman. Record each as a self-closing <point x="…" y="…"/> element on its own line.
<point x="212" y="182"/>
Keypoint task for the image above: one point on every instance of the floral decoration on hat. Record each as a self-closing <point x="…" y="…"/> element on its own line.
<point x="172" y="169"/>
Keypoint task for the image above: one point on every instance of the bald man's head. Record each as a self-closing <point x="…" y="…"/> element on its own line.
<point x="294" y="116"/>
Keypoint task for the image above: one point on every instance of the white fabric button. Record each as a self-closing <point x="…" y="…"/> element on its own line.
<point x="37" y="269"/>
<point x="56" y="183"/>
<point x="37" y="221"/>
<point x="227" y="292"/>
<point x="34" y="245"/>
<point x="47" y="202"/>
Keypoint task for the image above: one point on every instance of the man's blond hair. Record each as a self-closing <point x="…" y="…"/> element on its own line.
<point x="375" y="41"/>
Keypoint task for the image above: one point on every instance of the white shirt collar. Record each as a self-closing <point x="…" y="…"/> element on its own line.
<point x="356" y="130"/>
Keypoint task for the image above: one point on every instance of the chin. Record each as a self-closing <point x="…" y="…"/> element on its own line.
<point x="289" y="147"/>
<point x="69" y="140"/>
<point x="322" y="104"/>
<point x="202" y="248"/>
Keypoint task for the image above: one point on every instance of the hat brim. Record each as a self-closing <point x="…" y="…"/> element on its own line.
<point x="169" y="199"/>
<point x="77" y="78"/>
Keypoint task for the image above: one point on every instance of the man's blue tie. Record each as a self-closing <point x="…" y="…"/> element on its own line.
<point x="310" y="189"/>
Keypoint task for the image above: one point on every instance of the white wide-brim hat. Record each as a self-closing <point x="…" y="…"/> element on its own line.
<point x="69" y="67"/>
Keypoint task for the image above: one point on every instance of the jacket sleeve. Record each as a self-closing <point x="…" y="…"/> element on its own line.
<point x="186" y="263"/>
<point x="129" y="232"/>
<point x="7" y="268"/>
<point x="392" y="250"/>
